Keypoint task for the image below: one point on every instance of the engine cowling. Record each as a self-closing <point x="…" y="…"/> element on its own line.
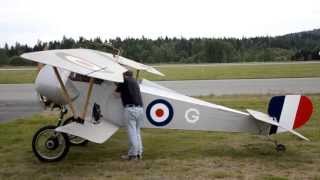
<point x="48" y="85"/>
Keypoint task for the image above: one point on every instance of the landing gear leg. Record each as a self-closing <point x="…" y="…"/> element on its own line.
<point x="278" y="147"/>
<point x="75" y="140"/>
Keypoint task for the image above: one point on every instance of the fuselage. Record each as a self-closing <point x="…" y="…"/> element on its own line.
<point x="164" y="108"/>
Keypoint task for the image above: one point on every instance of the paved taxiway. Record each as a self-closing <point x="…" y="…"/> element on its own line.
<point x="245" y="86"/>
<point x="19" y="100"/>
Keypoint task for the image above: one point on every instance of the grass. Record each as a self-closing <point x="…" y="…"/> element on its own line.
<point x="169" y="154"/>
<point x="17" y="77"/>
<point x="203" y="72"/>
<point x="237" y="72"/>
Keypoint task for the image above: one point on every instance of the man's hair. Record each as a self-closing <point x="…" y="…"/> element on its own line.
<point x="128" y="73"/>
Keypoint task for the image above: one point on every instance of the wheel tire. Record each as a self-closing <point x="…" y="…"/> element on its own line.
<point x="51" y="144"/>
<point x="280" y="148"/>
<point x="75" y="140"/>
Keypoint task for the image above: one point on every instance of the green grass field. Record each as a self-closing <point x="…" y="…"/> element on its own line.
<point x="17" y="77"/>
<point x="238" y="72"/>
<point x="203" y="72"/>
<point x="170" y="154"/>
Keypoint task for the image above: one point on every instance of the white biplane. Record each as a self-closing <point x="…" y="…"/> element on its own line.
<point x="83" y="81"/>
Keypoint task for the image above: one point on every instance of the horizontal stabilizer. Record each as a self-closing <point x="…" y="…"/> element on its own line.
<point x="97" y="133"/>
<point x="267" y="119"/>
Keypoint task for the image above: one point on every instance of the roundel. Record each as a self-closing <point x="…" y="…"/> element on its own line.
<point x="159" y="112"/>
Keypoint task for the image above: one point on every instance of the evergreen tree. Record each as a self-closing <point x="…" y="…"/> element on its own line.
<point x="295" y="46"/>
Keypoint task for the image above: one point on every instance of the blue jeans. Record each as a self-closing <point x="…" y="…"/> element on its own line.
<point x="134" y="121"/>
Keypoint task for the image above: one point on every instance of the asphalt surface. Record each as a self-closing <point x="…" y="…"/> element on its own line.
<point x="17" y="101"/>
<point x="189" y="65"/>
<point x="20" y="100"/>
<point x="245" y="86"/>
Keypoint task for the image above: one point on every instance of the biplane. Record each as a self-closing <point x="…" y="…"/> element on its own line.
<point x="83" y="81"/>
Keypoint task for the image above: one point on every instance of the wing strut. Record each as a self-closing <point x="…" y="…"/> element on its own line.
<point x="137" y="75"/>
<point x="67" y="96"/>
<point x="83" y="114"/>
<point x="65" y="92"/>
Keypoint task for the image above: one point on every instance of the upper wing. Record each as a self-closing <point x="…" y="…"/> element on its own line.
<point x="136" y="65"/>
<point x="133" y="64"/>
<point x="83" y="61"/>
<point x="267" y="119"/>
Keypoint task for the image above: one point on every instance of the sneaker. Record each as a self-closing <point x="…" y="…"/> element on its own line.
<point x="129" y="158"/>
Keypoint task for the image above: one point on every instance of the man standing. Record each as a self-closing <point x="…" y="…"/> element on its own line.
<point x="133" y="113"/>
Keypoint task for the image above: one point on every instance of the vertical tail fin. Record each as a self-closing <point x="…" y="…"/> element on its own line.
<point x="290" y="111"/>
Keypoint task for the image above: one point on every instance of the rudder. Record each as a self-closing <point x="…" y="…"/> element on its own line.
<point x="290" y="111"/>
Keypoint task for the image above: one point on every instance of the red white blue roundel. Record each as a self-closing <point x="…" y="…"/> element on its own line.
<point x="159" y="112"/>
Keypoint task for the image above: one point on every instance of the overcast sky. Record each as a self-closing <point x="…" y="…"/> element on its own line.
<point x="27" y="21"/>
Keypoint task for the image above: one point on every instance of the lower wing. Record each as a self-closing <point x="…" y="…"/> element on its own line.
<point x="97" y="133"/>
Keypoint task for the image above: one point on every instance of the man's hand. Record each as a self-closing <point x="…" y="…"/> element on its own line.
<point x="116" y="94"/>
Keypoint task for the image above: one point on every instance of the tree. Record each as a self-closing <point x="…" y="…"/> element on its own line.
<point x="295" y="46"/>
<point x="67" y="43"/>
<point x="4" y="59"/>
<point x="19" y="61"/>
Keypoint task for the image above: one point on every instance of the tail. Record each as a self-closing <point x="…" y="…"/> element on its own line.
<point x="286" y="113"/>
<point x="290" y="111"/>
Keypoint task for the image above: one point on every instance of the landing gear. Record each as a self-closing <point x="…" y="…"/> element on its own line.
<point x="49" y="145"/>
<point x="74" y="140"/>
<point x="280" y="148"/>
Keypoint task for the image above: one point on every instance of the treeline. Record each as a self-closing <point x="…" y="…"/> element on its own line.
<point x="297" y="46"/>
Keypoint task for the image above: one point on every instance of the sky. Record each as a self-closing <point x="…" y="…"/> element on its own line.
<point x="27" y="21"/>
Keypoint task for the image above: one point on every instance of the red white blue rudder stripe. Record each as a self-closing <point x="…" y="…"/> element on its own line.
<point x="291" y="111"/>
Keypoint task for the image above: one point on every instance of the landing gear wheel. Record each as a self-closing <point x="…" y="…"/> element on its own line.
<point x="74" y="140"/>
<point x="280" y="148"/>
<point x="49" y="145"/>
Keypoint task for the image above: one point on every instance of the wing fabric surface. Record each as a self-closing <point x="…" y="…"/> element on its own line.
<point x="97" y="133"/>
<point x="83" y="61"/>
<point x="267" y="119"/>
<point x="156" y="89"/>
<point x="168" y="109"/>
<point x="133" y="64"/>
<point x="136" y="65"/>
